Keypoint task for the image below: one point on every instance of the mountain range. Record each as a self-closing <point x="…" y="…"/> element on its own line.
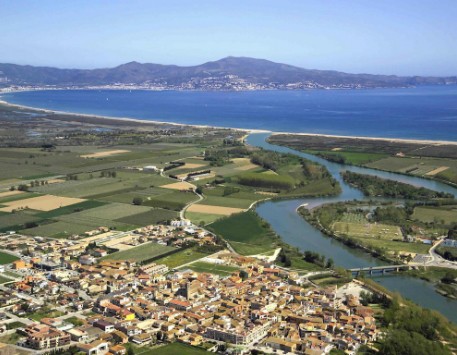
<point x="231" y="73"/>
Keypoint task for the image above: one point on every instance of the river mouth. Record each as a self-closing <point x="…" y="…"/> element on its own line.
<point x="296" y="231"/>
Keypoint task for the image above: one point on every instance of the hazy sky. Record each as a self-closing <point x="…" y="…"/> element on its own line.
<point x="379" y="36"/>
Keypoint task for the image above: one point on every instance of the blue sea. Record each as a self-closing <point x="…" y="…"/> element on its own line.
<point x="421" y="113"/>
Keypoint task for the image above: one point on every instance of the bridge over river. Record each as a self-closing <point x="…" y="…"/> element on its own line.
<point x="381" y="269"/>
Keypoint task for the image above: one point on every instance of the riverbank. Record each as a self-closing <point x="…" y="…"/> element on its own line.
<point x="295" y="231"/>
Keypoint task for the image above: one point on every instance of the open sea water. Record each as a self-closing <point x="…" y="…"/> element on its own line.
<point x="419" y="113"/>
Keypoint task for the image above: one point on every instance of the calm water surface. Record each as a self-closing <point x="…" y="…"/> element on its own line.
<point x="423" y="112"/>
<point x="294" y="230"/>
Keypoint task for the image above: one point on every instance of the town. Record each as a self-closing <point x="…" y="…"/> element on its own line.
<point x="66" y="294"/>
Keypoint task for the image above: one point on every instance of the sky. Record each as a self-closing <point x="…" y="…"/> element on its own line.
<point x="403" y="37"/>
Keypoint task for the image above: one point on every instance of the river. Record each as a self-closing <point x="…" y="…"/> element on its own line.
<point x="294" y="230"/>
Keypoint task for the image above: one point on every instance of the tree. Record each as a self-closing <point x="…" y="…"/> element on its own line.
<point x="137" y="201"/>
<point x="330" y="263"/>
<point x="23" y="187"/>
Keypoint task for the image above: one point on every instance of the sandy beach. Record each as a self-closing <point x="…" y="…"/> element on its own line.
<point x="249" y="130"/>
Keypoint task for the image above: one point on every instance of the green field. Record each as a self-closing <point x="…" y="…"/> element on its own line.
<point x="4" y="279"/>
<point x="430" y="214"/>
<point x="172" y="200"/>
<point x="170" y="349"/>
<point x="45" y="313"/>
<point x="356" y="158"/>
<point x="154" y="216"/>
<point x="70" y="209"/>
<point x="14" y="221"/>
<point x="202" y="218"/>
<point x="222" y="270"/>
<point x="64" y="229"/>
<point x="140" y="253"/>
<point x="181" y="257"/>
<point x="246" y="232"/>
<point x="6" y="258"/>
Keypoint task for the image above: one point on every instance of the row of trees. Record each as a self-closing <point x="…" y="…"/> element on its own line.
<point x="375" y="186"/>
<point x="273" y="182"/>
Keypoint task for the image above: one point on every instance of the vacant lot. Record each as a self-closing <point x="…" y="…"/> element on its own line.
<point x="107" y="153"/>
<point x="173" y="349"/>
<point x="181" y="257"/>
<point x="140" y="253"/>
<point x="41" y="203"/>
<point x="222" y="270"/>
<point x="224" y="211"/>
<point x="6" y="258"/>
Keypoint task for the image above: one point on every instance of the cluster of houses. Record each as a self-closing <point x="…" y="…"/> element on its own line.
<point x="99" y="305"/>
<point x="116" y="302"/>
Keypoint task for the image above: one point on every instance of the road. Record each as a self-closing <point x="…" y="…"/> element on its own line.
<point x="23" y="296"/>
<point x="438" y="260"/>
<point x="200" y="198"/>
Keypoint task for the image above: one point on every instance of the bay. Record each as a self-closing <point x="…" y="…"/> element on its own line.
<point x="428" y="112"/>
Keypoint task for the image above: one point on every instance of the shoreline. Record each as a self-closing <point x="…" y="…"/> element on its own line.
<point x="249" y="130"/>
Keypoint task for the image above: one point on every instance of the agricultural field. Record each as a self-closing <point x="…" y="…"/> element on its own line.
<point x="140" y="253"/>
<point x="445" y="169"/>
<point x="61" y="229"/>
<point x="6" y="258"/>
<point x="211" y="209"/>
<point x="221" y="270"/>
<point x="153" y="216"/>
<point x="40" y="203"/>
<point x="202" y="219"/>
<point x="12" y="221"/>
<point x="381" y="236"/>
<point x="445" y="215"/>
<point x="351" y="157"/>
<point x="170" y="199"/>
<point x="246" y="233"/>
<point x="368" y="230"/>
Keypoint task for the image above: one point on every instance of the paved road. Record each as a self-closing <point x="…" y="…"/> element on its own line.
<point x="23" y="295"/>
<point x="200" y="198"/>
<point x="437" y="260"/>
<point x="15" y="318"/>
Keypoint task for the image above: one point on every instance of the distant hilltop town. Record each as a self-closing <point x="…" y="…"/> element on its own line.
<point x="227" y="74"/>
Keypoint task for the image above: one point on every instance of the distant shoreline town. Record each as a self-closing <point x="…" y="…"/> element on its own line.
<point x="227" y="74"/>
